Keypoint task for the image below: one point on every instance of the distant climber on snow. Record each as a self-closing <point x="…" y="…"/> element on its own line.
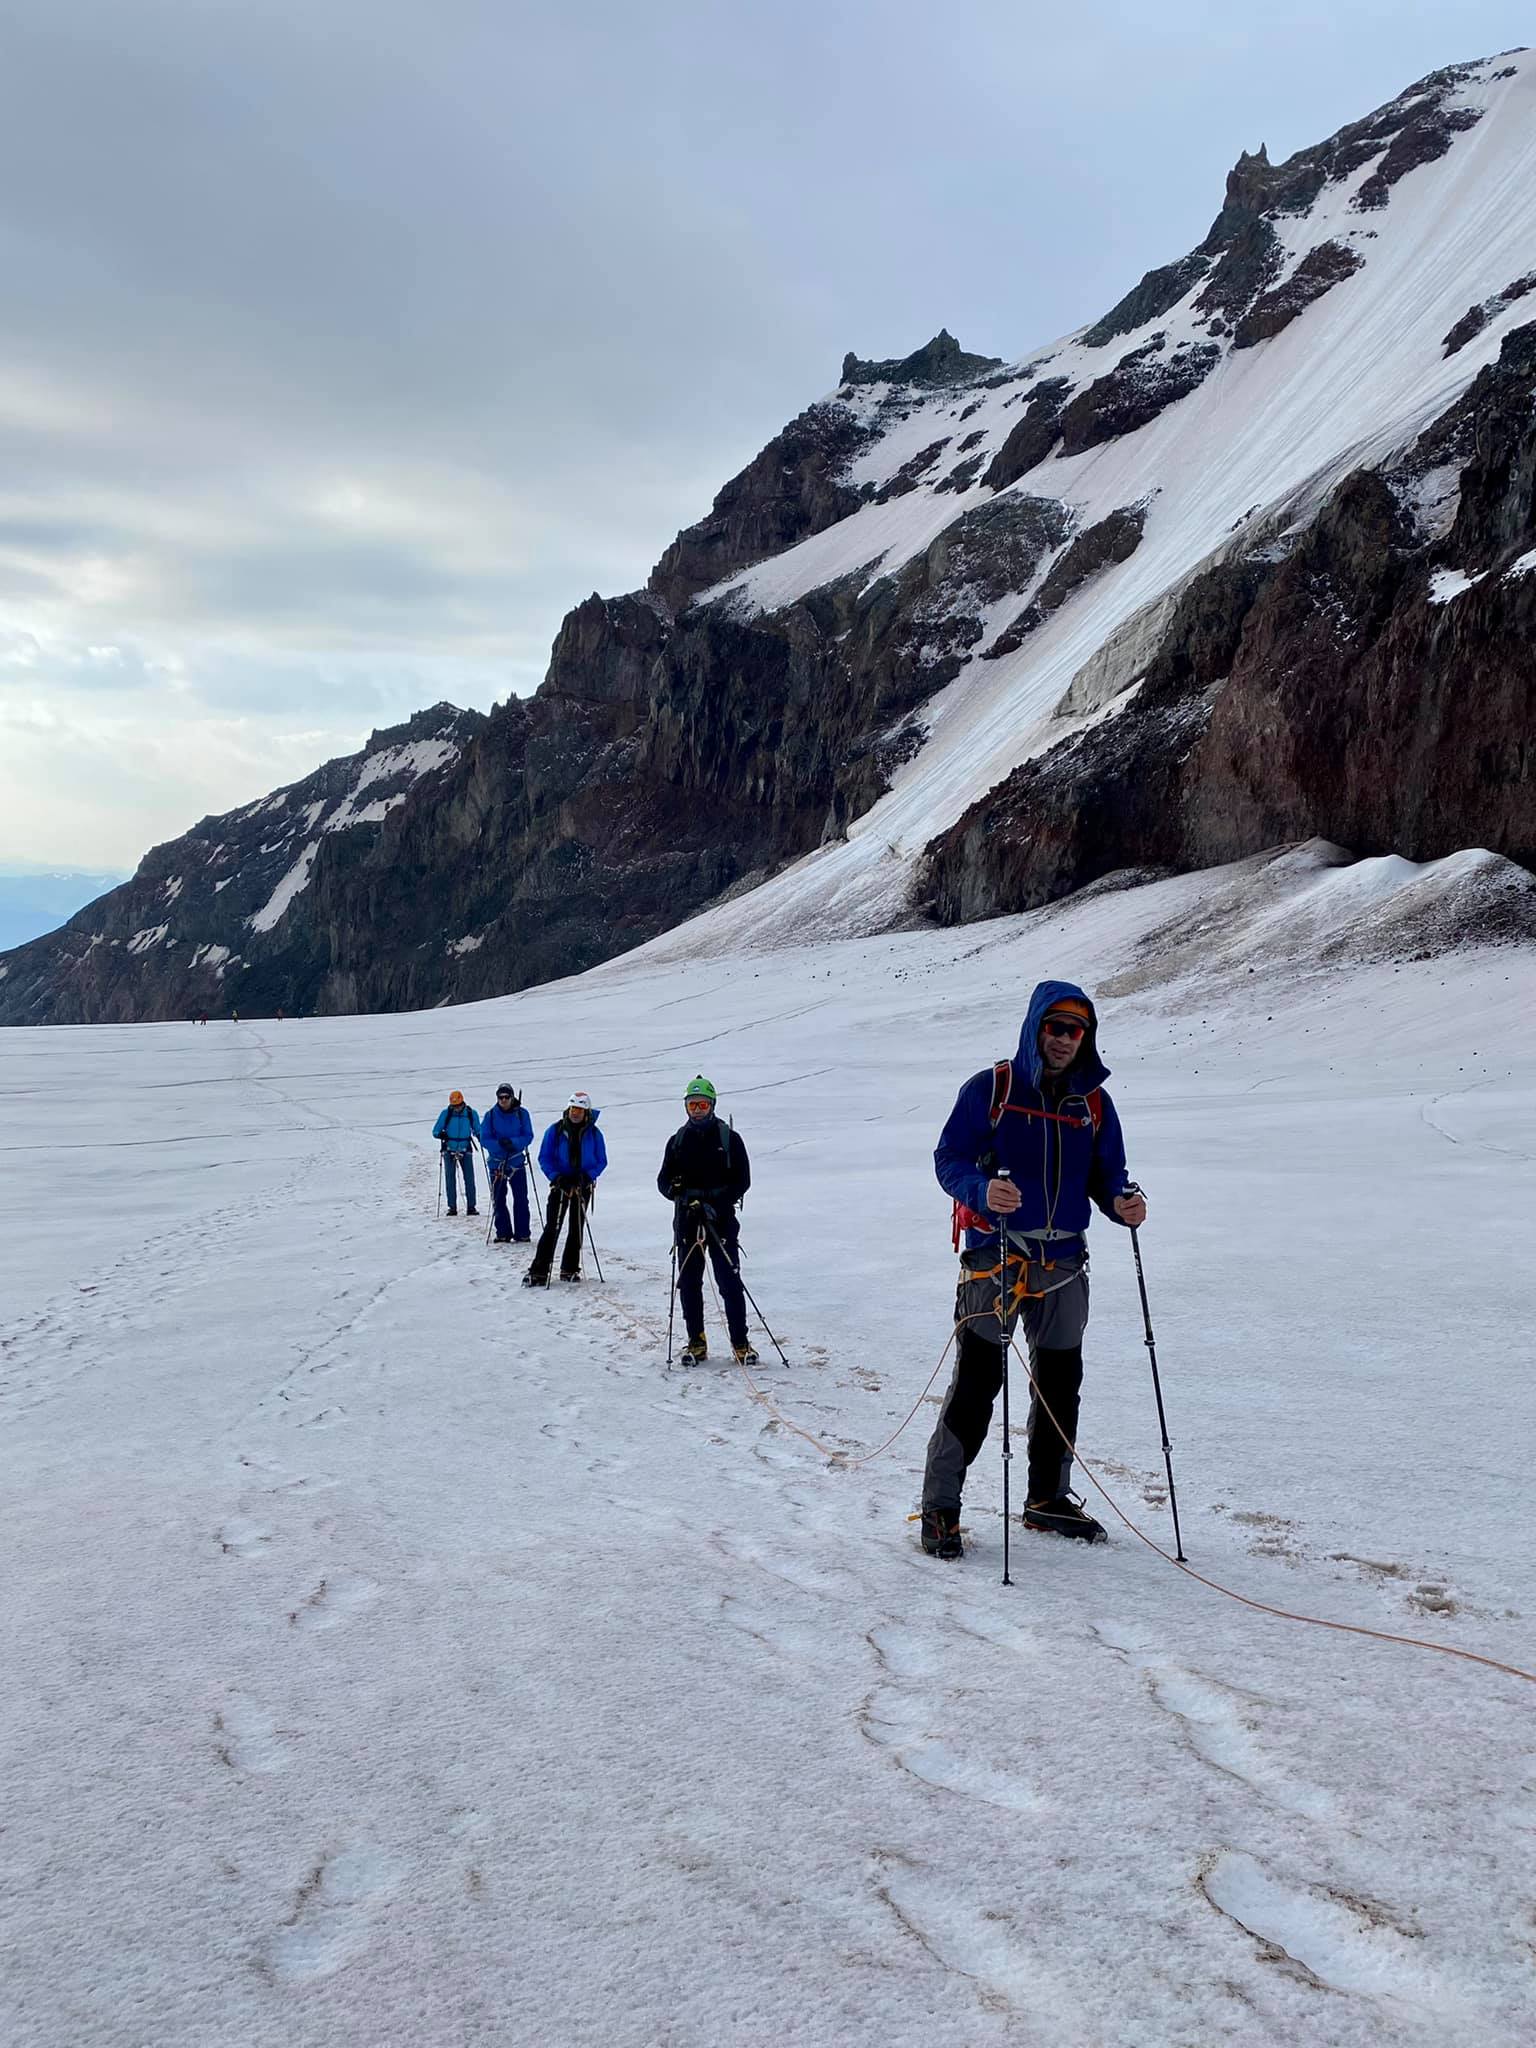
<point x="506" y="1132"/>
<point x="705" y="1173"/>
<point x="571" y="1158"/>
<point x="457" y="1129"/>
<point x="1029" y="1145"/>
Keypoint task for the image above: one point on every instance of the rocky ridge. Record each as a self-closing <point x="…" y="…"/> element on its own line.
<point x="781" y="665"/>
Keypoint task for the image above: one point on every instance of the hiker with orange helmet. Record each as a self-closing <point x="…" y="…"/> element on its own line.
<point x="457" y="1132"/>
<point x="1031" y="1146"/>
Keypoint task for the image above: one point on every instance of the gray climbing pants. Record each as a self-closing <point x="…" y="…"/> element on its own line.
<point x="1048" y="1305"/>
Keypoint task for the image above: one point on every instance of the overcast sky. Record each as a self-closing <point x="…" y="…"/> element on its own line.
<point x="345" y="344"/>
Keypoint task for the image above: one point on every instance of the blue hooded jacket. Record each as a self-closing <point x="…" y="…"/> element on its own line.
<point x="506" y="1135"/>
<point x="459" y="1125"/>
<point x="1059" y="1168"/>
<point x="555" y="1152"/>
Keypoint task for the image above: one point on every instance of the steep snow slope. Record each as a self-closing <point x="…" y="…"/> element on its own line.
<point x="1249" y="453"/>
<point x="399" y="1658"/>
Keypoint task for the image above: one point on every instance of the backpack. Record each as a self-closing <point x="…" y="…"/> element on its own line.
<point x="963" y="1218"/>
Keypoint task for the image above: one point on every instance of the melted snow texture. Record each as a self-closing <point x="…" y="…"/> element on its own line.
<point x="398" y="1657"/>
<point x="1248" y="455"/>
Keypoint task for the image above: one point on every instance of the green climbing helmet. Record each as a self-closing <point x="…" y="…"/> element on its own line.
<point x="699" y="1090"/>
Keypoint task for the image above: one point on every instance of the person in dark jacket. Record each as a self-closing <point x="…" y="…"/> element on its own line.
<point x="705" y="1173"/>
<point x="456" y="1131"/>
<point x="1030" y="1147"/>
<point x="506" y="1132"/>
<point x="571" y="1158"/>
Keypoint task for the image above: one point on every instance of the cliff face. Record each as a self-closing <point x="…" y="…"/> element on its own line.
<point x="217" y="919"/>
<point x="1373" y="686"/>
<point x="921" y="570"/>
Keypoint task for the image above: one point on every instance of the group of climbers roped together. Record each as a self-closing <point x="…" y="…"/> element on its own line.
<point x="1031" y="1146"/>
<point x="705" y="1173"/>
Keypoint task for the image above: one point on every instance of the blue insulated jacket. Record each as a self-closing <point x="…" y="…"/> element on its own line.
<point x="506" y="1135"/>
<point x="1058" y="1168"/>
<point x="555" y="1152"/>
<point x="459" y="1125"/>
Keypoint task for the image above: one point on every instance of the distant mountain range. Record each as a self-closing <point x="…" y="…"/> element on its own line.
<point x="34" y="900"/>
<point x="1250" y="559"/>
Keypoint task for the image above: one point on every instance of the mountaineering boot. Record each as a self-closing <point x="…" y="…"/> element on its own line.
<point x="696" y="1350"/>
<point x="572" y="1278"/>
<point x="1064" y="1516"/>
<point x="471" y="1210"/>
<point x="526" y="1238"/>
<point x="745" y="1355"/>
<point x="941" y="1533"/>
<point x="533" y="1279"/>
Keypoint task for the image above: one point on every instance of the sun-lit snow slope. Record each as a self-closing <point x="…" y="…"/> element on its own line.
<point x="1257" y="445"/>
<point x="394" y="1656"/>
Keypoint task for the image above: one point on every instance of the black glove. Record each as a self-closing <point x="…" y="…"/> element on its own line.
<point x="442" y="1144"/>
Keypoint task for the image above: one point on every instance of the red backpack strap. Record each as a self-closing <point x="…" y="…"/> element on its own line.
<point x="1095" y="1100"/>
<point x="1002" y="1088"/>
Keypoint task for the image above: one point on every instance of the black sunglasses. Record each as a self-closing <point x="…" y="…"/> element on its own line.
<point x="503" y="1094"/>
<point x="1063" y="1027"/>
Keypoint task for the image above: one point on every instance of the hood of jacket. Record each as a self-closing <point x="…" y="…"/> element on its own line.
<point x="1087" y="1070"/>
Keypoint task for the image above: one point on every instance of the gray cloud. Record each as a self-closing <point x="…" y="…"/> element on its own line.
<point x="347" y="346"/>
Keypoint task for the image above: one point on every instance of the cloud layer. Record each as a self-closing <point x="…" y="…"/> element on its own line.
<point x="347" y="346"/>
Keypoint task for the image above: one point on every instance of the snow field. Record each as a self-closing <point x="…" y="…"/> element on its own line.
<point x="402" y="1657"/>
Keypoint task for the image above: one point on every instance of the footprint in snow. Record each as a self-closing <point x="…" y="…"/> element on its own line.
<point x="242" y="1538"/>
<point x="1333" y="1939"/>
<point x="986" y="1944"/>
<point x="246" y="1739"/>
<point x="336" y="1600"/>
<point x="1220" y="1723"/>
<point x="895" y="1722"/>
<point x="333" y="1913"/>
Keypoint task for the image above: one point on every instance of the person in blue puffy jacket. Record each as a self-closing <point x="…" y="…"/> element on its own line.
<point x="571" y="1158"/>
<point x="506" y="1132"/>
<point x="456" y="1131"/>
<point x="1031" y="1147"/>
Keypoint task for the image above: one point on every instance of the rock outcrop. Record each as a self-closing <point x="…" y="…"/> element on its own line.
<point x="1372" y="686"/>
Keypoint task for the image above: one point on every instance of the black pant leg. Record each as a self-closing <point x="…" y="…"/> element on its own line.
<point x="963" y="1421"/>
<point x="544" y="1250"/>
<point x="690" y="1285"/>
<point x="724" y="1251"/>
<point x="570" y="1258"/>
<point x="1059" y="1378"/>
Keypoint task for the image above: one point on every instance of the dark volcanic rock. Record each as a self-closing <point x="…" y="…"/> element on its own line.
<point x="1318" y="272"/>
<point x="1141" y="385"/>
<point x="940" y="361"/>
<point x="1476" y="318"/>
<point x="1034" y="434"/>
<point x="1324" y="695"/>
<point x="1250" y="263"/>
<point x="911" y="472"/>
<point x="1158" y="293"/>
<point x="1421" y="141"/>
<point x="793" y="489"/>
<point x="1113" y="539"/>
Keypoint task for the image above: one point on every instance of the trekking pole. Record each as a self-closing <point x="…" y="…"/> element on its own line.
<point x="735" y="1266"/>
<point x="490" y="1221"/>
<point x="672" y="1300"/>
<point x="1157" y="1386"/>
<point x="586" y="1217"/>
<point x="1003" y="1173"/>
<point x="533" y="1182"/>
<point x="442" y="1170"/>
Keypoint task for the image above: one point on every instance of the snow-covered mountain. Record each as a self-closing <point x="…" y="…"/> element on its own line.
<point x="1248" y="560"/>
<point x="220" y="918"/>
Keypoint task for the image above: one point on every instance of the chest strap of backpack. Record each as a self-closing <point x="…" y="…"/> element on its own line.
<point x="964" y="1218"/>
